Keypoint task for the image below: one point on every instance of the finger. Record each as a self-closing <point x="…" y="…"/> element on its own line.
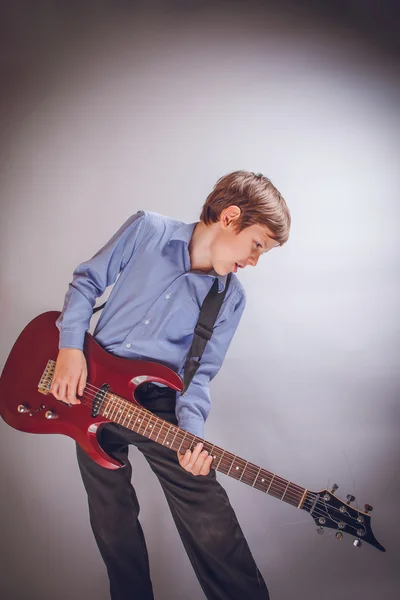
<point x="196" y="451"/>
<point x="184" y="458"/>
<point x="82" y="383"/>
<point x="55" y="390"/>
<point x="194" y="457"/>
<point x="71" y="389"/>
<point x="62" y="392"/>
<point x="206" y="466"/>
<point x="198" y="465"/>
<point x="74" y="391"/>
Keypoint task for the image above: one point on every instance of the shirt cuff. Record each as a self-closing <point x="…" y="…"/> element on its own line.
<point x="72" y="338"/>
<point x="195" y="426"/>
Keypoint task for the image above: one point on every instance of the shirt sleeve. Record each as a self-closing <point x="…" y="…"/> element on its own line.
<point x="193" y="408"/>
<point x="91" y="278"/>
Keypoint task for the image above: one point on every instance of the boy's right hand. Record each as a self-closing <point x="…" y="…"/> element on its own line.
<point x="70" y="375"/>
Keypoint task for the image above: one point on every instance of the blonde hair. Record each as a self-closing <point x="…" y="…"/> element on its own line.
<point x="259" y="201"/>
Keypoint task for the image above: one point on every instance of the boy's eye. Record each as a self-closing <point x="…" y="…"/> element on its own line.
<point x="258" y="245"/>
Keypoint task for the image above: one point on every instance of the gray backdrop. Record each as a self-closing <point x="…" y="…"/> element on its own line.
<point x="105" y="112"/>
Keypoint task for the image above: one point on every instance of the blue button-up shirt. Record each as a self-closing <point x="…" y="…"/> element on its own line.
<point x="154" y="305"/>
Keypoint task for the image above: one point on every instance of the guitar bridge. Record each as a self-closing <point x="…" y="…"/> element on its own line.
<point x="47" y="377"/>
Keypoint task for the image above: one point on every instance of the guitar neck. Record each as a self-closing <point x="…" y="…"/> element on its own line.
<point x="144" y="422"/>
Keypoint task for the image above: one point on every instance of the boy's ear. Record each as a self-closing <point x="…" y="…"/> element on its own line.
<point x="231" y="215"/>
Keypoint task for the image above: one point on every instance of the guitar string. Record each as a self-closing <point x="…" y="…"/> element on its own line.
<point x="179" y="436"/>
<point x="117" y="401"/>
<point x="273" y="484"/>
<point x="253" y="469"/>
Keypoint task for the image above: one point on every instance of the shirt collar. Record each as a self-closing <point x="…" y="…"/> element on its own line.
<point x="184" y="233"/>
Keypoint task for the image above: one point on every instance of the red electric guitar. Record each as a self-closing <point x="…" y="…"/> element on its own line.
<point x="26" y="405"/>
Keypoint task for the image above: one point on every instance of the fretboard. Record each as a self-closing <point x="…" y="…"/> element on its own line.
<point x="142" y="421"/>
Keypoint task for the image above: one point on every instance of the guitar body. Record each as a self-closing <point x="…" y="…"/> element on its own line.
<point x="35" y="346"/>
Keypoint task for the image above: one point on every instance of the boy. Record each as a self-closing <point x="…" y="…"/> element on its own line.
<point x="166" y="269"/>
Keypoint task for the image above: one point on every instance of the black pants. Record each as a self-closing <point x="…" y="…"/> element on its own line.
<point x="199" y="505"/>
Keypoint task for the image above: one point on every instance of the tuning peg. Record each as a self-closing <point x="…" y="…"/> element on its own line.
<point x="350" y="498"/>
<point x="339" y="535"/>
<point x="334" y="488"/>
<point x="357" y="543"/>
<point x="368" y="508"/>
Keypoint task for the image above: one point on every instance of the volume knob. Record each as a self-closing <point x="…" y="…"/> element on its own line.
<point x="49" y="414"/>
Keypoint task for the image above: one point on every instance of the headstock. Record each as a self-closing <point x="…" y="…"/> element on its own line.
<point x="328" y="510"/>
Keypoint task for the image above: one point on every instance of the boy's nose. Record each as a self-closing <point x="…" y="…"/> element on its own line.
<point x="253" y="260"/>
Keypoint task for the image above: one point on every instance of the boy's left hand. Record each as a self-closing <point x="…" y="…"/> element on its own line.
<point x="196" y="462"/>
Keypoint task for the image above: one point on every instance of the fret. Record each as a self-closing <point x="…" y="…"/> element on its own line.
<point x="270" y="483"/>
<point x="153" y="429"/>
<point x="254" y="482"/>
<point x="211" y="453"/>
<point x="149" y="427"/>
<point x="137" y="416"/>
<point x="141" y="423"/>
<point x="231" y="465"/>
<point x="119" y="414"/>
<point x="219" y="462"/>
<point x="149" y="423"/>
<point x="263" y="478"/>
<point x="131" y="415"/>
<point x="126" y="416"/>
<point x="237" y="468"/>
<point x="296" y="493"/>
<point x="105" y="406"/>
<point x="160" y="426"/>
<point x="288" y="483"/>
<point x="179" y="449"/>
<point x="240" y="478"/>
<point x="159" y="431"/>
<point x="279" y="484"/>
<point x="193" y="442"/>
<point x="123" y="416"/>
<point x="113" y="409"/>
<point x="302" y="499"/>
<point x="168" y="432"/>
<point x="114" y="412"/>
<point x="173" y="441"/>
<point x="109" y="405"/>
<point x="117" y="409"/>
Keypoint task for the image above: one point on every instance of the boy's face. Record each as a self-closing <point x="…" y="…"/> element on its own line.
<point x="231" y="250"/>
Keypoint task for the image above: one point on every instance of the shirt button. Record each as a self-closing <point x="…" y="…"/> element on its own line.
<point x="168" y="296"/>
<point x="128" y="345"/>
<point x="147" y="321"/>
